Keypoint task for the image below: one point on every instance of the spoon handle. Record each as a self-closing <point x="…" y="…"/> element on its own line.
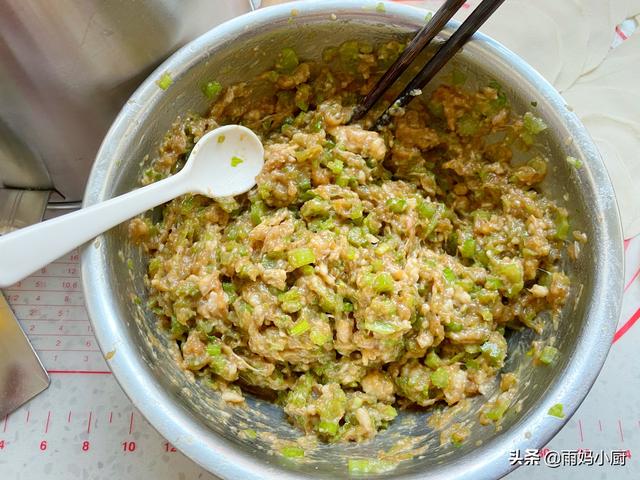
<point x="26" y="250"/>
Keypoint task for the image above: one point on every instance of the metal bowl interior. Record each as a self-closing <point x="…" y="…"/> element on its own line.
<point x="191" y="415"/>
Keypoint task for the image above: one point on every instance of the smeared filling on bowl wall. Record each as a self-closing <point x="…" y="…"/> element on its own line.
<point x="367" y="271"/>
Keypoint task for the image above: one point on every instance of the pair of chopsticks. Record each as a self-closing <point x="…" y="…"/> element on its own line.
<point x="444" y="53"/>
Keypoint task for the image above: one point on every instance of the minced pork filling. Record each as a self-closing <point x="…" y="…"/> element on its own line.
<point x="367" y="270"/>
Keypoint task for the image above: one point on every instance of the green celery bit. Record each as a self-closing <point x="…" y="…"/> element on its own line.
<point x="328" y="428"/>
<point x="383" y="282"/>
<point x="250" y="433"/>
<point x="154" y="266"/>
<point x="165" y="81"/>
<point x="177" y="329"/>
<point x="287" y="60"/>
<point x="211" y="90"/>
<point x="291" y="300"/>
<point x="498" y="411"/>
<point x="235" y="161"/>
<point x="357" y="237"/>
<point x="514" y="275"/>
<point x="331" y="303"/>
<point x="336" y="166"/>
<point x="397" y="205"/>
<point x="574" y="162"/>
<point x="454" y="327"/>
<point x="557" y="410"/>
<point x="257" y="211"/>
<point x="493" y="352"/>
<point x="301" y="256"/>
<point x="292" y="451"/>
<point x="214" y="349"/>
<point x="316" y="207"/>
<point x="448" y="275"/>
<point x="433" y="360"/>
<point x="381" y="326"/>
<point x="347" y="307"/>
<point x="307" y="270"/>
<point x="493" y="283"/>
<point x="299" y="327"/>
<point x="380" y="7"/>
<point x="440" y="378"/>
<point x="532" y="124"/>
<point x="382" y="248"/>
<point x="468" y="248"/>
<point x="319" y="337"/>
<point x="562" y="226"/>
<point x="548" y="355"/>
<point x="426" y="209"/>
<point x="366" y="465"/>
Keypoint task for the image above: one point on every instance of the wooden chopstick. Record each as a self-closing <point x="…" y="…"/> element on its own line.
<point x="444" y="53"/>
<point x="424" y="36"/>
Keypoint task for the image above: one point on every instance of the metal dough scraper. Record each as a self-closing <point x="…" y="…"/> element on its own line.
<point x="22" y="376"/>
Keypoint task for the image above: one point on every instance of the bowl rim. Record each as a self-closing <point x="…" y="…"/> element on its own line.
<point x="490" y="460"/>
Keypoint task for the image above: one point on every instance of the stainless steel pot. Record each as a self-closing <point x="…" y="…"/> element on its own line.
<point x="192" y="416"/>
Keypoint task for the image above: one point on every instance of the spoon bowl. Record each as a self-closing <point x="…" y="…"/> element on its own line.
<point x="224" y="162"/>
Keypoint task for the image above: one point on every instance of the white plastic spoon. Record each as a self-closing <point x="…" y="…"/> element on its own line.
<point x="223" y="163"/>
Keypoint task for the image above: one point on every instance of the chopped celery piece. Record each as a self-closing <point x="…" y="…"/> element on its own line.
<point x="426" y="209"/>
<point x="319" y="337"/>
<point x="250" y="433"/>
<point x="235" y="161"/>
<point x="557" y="411"/>
<point x="292" y="451"/>
<point x="498" y="411"/>
<point x="397" y="205"/>
<point x="440" y="378"/>
<point x="258" y="210"/>
<point x="357" y="237"/>
<point x="433" y="360"/>
<point x="316" y="207"/>
<point x="380" y="326"/>
<point x="532" y="124"/>
<point x="287" y="60"/>
<point x="514" y="275"/>
<point x="493" y="283"/>
<point x="336" y="166"/>
<point x="329" y="428"/>
<point x="211" y="90"/>
<point x="548" y="355"/>
<point x="307" y="270"/>
<point x="493" y="352"/>
<point x="448" y="275"/>
<point x="299" y="327"/>
<point x="301" y="256"/>
<point x="383" y="282"/>
<point x="165" y="81"/>
<point x="291" y="300"/>
<point x="562" y="226"/>
<point x="574" y="162"/>
<point x="380" y="7"/>
<point x="468" y="248"/>
<point x="454" y="327"/>
<point x="214" y="349"/>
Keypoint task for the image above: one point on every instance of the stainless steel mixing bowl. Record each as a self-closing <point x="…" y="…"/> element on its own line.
<point x="191" y="416"/>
